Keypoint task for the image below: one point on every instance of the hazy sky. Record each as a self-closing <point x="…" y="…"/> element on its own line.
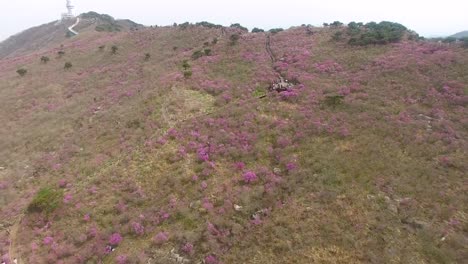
<point x="428" y="17"/>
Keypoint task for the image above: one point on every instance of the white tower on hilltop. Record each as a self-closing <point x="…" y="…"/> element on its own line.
<point x="69" y="14"/>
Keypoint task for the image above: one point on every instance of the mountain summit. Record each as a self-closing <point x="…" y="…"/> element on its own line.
<point x="47" y="35"/>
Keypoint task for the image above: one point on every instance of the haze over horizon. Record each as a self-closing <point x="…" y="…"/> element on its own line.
<point x="428" y="18"/>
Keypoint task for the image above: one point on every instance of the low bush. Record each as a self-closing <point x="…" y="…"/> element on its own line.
<point x="147" y="56"/>
<point x="239" y="26"/>
<point x="275" y="30"/>
<point x="208" y="25"/>
<point x="197" y="54"/>
<point x="22" y="72"/>
<point x="336" y="24"/>
<point x="187" y="74"/>
<point x="46" y="200"/>
<point x="114" y="49"/>
<point x="207" y="52"/>
<point x="68" y="65"/>
<point x="257" y="30"/>
<point x="185" y="65"/>
<point x="45" y="59"/>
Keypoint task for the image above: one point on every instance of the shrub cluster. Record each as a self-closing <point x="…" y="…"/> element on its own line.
<point x="239" y="26"/>
<point x="375" y="33"/>
<point x="257" y="30"/>
<point x="208" y="25"/>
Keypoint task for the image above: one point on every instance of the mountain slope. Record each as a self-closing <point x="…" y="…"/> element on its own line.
<point x="48" y="35"/>
<point x="186" y="155"/>
<point x="460" y="35"/>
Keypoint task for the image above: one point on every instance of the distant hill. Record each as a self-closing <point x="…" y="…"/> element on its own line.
<point x="55" y="32"/>
<point x="462" y="34"/>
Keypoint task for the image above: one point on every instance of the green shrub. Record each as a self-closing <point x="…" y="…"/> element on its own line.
<point x="215" y="40"/>
<point x="197" y="54"/>
<point x="237" y="25"/>
<point x="207" y="52"/>
<point x="208" y="25"/>
<point x="22" y="72"/>
<point x="259" y="93"/>
<point x="354" y="28"/>
<point x="45" y="59"/>
<point x="336" y="24"/>
<point x="147" y="56"/>
<point x="184" y="25"/>
<point x="46" y="200"/>
<point x="257" y="30"/>
<point x="68" y="65"/>
<point x="187" y="74"/>
<point x="185" y="65"/>
<point x="381" y="33"/>
<point x="114" y="49"/>
<point x="275" y="30"/>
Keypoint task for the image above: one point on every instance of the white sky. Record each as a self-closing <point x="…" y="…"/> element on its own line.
<point x="428" y="17"/>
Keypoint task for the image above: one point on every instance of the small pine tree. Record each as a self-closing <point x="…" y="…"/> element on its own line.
<point x="114" y="49"/>
<point x="67" y="65"/>
<point x="22" y="72"/>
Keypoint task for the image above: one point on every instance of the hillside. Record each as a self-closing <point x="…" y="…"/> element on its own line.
<point x="170" y="145"/>
<point x="459" y="35"/>
<point x="46" y="36"/>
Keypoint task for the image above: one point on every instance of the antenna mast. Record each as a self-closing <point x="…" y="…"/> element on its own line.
<point x="69" y="14"/>
<point x="70" y="8"/>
